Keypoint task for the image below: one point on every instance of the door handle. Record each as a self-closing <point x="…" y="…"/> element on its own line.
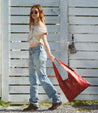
<point x="72" y="46"/>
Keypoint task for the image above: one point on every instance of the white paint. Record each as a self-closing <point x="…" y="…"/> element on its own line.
<point x="0" y="53"/>
<point x="83" y="23"/>
<point x="5" y="52"/>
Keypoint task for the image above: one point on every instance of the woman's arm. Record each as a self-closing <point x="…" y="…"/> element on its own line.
<point x="44" y="38"/>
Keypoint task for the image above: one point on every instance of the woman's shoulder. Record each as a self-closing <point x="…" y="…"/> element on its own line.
<point x="42" y="28"/>
<point x="42" y="25"/>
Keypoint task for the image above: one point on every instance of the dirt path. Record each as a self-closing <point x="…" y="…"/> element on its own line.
<point x="62" y="109"/>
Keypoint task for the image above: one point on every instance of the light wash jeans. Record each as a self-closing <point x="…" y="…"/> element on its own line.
<point x="37" y="70"/>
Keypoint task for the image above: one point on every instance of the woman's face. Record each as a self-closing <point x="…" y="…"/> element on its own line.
<point x="35" y="13"/>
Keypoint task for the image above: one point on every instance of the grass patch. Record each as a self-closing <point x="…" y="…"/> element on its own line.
<point x="82" y="103"/>
<point x="2" y="103"/>
<point x="81" y="109"/>
<point x="79" y="105"/>
<point x="45" y="103"/>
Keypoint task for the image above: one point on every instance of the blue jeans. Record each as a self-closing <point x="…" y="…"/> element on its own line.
<point x="37" y="70"/>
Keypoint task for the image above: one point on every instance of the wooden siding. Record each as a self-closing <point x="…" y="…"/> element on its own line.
<point x="0" y="53"/>
<point x="63" y="18"/>
<point x="83" y="23"/>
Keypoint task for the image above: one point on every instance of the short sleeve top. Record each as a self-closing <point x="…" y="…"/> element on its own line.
<point x="35" y="33"/>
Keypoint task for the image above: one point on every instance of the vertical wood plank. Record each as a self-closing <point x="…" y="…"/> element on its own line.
<point x="5" y="51"/>
<point x="0" y="53"/>
<point x="63" y="37"/>
<point x="63" y="33"/>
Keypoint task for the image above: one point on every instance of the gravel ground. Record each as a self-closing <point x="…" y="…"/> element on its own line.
<point x="62" y="109"/>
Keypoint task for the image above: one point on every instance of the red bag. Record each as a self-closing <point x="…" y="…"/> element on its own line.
<point x="72" y="86"/>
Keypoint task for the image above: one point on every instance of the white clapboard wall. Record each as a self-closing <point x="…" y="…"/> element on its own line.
<point x="17" y="89"/>
<point x="83" y="23"/>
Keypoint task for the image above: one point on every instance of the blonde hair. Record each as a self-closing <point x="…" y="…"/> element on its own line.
<point x="41" y="15"/>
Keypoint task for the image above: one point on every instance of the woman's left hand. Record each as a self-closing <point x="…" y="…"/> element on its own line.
<point x="52" y="58"/>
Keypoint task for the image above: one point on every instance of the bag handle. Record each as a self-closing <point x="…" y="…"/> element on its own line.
<point x="69" y="70"/>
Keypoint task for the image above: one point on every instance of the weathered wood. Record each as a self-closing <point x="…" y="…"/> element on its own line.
<point x="83" y="63"/>
<point x="25" y="72"/>
<point x="87" y="72"/>
<point x="63" y="38"/>
<point x="83" y="3"/>
<point x="83" y="29"/>
<point x="63" y="33"/>
<point x="25" y="80"/>
<point x="87" y="97"/>
<point x="83" y="20"/>
<point x="25" y="45"/>
<point x="22" y="98"/>
<point x="83" y="24"/>
<point x="26" y="11"/>
<point x="25" y="98"/>
<point x="23" y="37"/>
<point x="26" y="89"/>
<point x="19" y="71"/>
<point x="87" y="46"/>
<point x="5" y="51"/>
<point x="84" y="55"/>
<point x="25" y="28"/>
<point x="23" y="63"/>
<point x="85" y="37"/>
<point x="25" y="20"/>
<point x="93" y="81"/>
<point x="32" y="2"/>
<point x="83" y="11"/>
<point x="0" y="50"/>
<point x="25" y="54"/>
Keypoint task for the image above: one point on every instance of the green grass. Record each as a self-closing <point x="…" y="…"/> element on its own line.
<point x="45" y="104"/>
<point x="2" y="103"/>
<point x="82" y="103"/>
<point x="81" y="109"/>
<point x="76" y="103"/>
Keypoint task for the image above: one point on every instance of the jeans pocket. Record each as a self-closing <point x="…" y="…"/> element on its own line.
<point x="43" y="56"/>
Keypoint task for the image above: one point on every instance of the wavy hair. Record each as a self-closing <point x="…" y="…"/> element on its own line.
<point x="41" y="15"/>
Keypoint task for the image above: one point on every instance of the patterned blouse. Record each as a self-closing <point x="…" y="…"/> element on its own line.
<point x="35" y="33"/>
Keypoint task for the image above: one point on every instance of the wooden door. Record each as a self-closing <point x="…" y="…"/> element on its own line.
<point x="83" y="23"/>
<point x="15" y="67"/>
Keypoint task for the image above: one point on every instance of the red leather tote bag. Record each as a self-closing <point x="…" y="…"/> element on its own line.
<point x="72" y="86"/>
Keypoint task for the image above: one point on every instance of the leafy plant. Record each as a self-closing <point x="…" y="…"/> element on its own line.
<point x="2" y="103"/>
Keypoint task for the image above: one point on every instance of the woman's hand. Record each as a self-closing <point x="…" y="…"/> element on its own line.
<point x="52" y="58"/>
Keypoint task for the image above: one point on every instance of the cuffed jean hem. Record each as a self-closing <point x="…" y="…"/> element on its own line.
<point x="34" y="103"/>
<point x="56" y="100"/>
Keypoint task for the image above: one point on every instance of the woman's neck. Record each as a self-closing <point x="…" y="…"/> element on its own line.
<point x="36" y="22"/>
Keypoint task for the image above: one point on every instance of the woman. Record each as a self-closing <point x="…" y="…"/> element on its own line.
<point x="37" y="60"/>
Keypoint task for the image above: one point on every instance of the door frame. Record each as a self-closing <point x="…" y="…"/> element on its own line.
<point x="63" y="39"/>
<point x="5" y="50"/>
<point x="0" y="53"/>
